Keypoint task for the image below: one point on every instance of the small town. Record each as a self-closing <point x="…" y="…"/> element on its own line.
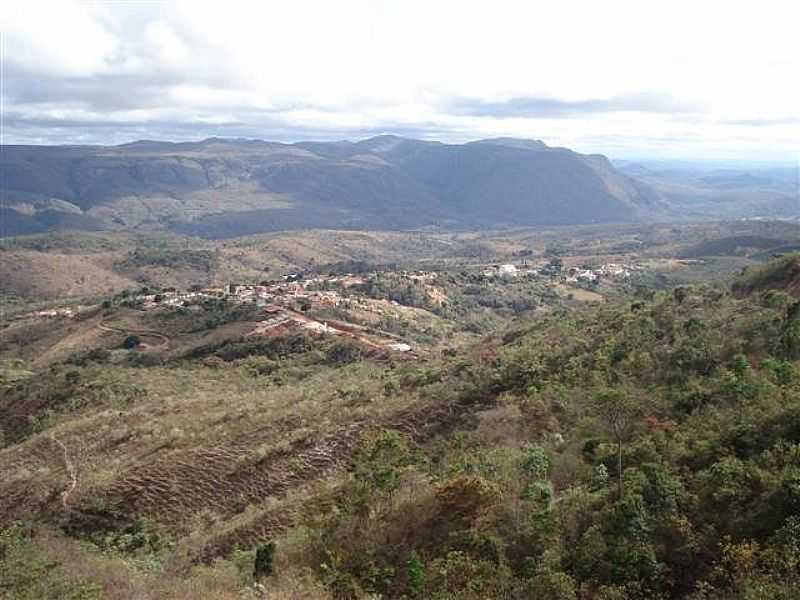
<point x="285" y="300"/>
<point x="320" y="291"/>
<point x="570" y="275"/>
<point x="293" y="302"/>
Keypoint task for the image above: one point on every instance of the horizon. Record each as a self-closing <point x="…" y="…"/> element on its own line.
<point x="182" y="71"/>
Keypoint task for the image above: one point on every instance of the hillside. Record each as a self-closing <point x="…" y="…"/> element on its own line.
<point x="782" y="274"/>
<point x="641" y="448"/>
<point x="59" y="265"/>
<point x="226" y="188"/>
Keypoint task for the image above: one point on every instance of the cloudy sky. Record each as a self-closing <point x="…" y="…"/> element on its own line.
<point x="670" y="79"/>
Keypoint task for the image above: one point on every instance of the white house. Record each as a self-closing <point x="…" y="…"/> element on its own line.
<point x="507" y="270"/>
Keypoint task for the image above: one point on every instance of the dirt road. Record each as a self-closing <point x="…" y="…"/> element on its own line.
<point x="163" y="340"/>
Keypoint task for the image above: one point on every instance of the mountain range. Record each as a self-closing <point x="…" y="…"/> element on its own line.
<point x="220" y="188"/>
<point x="702" y="191"/>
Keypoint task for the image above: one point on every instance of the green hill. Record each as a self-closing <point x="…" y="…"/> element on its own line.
<point x="782" y="274"/>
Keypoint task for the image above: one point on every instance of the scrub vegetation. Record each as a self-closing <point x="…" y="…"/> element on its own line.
<point x="644" y="447"/>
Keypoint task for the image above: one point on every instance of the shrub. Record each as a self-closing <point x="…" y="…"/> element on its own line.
<point x="83" y="358"/>
<point x="466" y="497"/>
<point x="380" y="459"/>
<point x="263" y="563"/>
<point x="343" y="353"/>
<point x="131" y="342"/>
<point x="459" y="576"/>
<point x="551" y="585"/>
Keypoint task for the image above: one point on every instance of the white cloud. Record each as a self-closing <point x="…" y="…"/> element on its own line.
<point x="56" y="38"/>
<point x="364" y="65"/>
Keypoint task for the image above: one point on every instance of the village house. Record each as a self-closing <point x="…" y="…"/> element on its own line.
<point x="581" y="275"/>
<point x="507" y="270"/>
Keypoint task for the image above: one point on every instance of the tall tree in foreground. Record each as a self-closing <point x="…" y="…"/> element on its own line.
<point x="619" y="411"/>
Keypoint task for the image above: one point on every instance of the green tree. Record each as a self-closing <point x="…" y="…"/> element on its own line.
<point x="263" y="564"/>
<point x="790" y="335"/>
<point x="380" y="460"/>
<point x="130" y="342"/>
<point x="415" y="568"/>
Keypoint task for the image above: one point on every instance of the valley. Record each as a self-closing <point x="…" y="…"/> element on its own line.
<point x="399" y="301"/>
<point x="220" y="396"/>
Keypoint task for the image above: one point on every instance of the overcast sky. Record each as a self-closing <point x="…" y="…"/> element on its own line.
<point x="663" y="79"/>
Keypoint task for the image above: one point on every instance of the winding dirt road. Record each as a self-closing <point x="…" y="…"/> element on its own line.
<point x="163" y="340"/>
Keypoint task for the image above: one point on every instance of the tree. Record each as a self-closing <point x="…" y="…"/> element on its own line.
<point x="415" y="568"/>
<point x="263" y="566"/>
<point x="380" y="460"/>
<point x="619" y="411"/>
<point x="556" y="265"/>
<point x="130" y="342"/>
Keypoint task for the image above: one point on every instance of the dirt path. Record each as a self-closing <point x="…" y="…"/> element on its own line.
<point x="73" y="475"/>
<point x="577" y="293"/>
<point x="163" y="340"/>
<point x="351" y="330"/>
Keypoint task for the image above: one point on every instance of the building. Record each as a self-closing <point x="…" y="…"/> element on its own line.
<point x="507" y="270"/>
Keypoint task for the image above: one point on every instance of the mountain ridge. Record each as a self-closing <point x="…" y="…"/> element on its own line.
<point x="221" y="187"/>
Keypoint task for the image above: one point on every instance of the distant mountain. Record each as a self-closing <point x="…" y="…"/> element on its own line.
<point x="697" y="190"/>
<point x="225" y="188"/>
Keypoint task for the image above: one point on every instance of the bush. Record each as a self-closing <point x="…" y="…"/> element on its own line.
<point x="83" y="358"/>
<point x="459" y="576"/>
<point x="551" y="585"/>
<point x="466" y="497"/>
<point x="131" y="342"/>
<point x="343" y="353"/>
<point x="145" y="359"/>
<point x="263" y="563"/>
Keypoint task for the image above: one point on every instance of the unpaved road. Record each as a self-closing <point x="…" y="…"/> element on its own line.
<point x="163" y="340"/>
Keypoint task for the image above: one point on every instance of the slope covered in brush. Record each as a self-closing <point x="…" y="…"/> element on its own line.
<point x="642" y="448"/>
<point x="780" y="274"/>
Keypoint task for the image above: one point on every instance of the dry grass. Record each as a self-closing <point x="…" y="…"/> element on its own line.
<point x="73" y="271"/>
<point x="51" y="275"/>
<point x="228" y="436"/>
<point x="579" y="294"/>
<point x="73" y="565"/>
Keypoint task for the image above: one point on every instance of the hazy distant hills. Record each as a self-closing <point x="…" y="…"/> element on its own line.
<point x="697" y="191"/>
<point x="224" y="188"/>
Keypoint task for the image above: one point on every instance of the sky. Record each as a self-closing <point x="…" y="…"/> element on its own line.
<point x="716" y="80"/>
